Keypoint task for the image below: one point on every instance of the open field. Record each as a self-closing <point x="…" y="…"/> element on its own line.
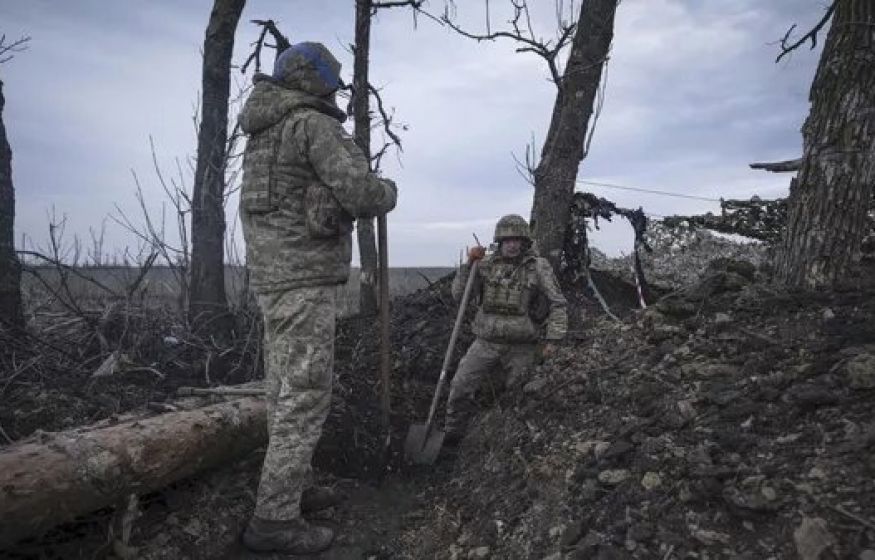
<point x="161" y="286"/>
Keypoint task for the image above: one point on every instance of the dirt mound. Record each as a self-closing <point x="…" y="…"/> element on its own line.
<point x="421" y="326"/>
<point x="728" y="421"/>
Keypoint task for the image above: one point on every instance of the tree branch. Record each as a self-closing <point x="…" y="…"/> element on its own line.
<point x="779" y="166"/>
<point x="811" y="35"/>
<point x="7" y="51"/>
<point x="415" y="4"/>
<point x="282" y="43"/>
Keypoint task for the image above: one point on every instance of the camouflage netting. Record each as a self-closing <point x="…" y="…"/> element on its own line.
<point x="680" y="254"/>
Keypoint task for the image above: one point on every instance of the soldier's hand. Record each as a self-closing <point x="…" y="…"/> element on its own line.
<point x="392" y="193"/>
<point x="476" y="253"/>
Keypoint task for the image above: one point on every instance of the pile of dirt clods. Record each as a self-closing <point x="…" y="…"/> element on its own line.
<point x="730" y="420"/>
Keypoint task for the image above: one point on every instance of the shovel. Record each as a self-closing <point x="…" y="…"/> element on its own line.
<point x="423" y="443"/>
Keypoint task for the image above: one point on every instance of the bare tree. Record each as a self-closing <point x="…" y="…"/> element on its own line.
<point x="829" y="200"/>
<point x="364" y="10"/>
<point x="578" y="96"/>
<point x="362" y="135"/>
<point x="10" y="268"/>
<point x="207" y="300"/>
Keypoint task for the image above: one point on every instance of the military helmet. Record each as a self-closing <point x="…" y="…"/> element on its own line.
<point x="309" y="67"/>
<point x="511" y="225"/>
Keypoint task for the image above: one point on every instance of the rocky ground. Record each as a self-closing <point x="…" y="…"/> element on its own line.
<point x="728" y="420"/>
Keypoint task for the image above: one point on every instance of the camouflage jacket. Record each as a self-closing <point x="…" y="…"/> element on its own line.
<point x="304" y="181"/>
<point x="508" y="289"/>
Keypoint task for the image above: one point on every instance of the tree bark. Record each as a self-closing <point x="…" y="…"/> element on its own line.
<point x="10" y="268"/>
<point x="829" y="199"/>
<point x="362" y="136"/>
<point x="73" y="473"/>
<point x="563" y="149"/>
<point x="207" y="302"/>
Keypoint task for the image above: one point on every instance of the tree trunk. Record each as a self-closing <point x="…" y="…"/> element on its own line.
<point x="10" y="269"/>
<point x="563" y="148"/>
<point x="362" y="135"/>
<point x="829" y="199"/>
<point x="73" y="473"/>
<point x="207" y="303"/>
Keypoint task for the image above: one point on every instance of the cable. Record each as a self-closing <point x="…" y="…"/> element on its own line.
<point x="651" y="191"/>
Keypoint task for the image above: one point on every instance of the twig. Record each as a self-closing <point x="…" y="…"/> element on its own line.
<point x="16" y="46"/>
<point x="415" y="4"/>
<point x="855" y="517"/>
<point x="282" y="43"/>
<point x="6" y="436"/>
<point x="668" y="552"/>
<point x="599" y="297"/>
<point x="811" y="35"/>
<point x="58" y="264"/>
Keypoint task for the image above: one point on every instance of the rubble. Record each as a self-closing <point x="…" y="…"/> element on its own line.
<point x="710" y="425"/>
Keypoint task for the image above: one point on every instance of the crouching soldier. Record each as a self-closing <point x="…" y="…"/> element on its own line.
<point x="508" y="283"/>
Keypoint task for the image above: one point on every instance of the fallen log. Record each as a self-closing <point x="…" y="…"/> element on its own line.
<point x="68" y="474"/>
<point x="220" y="391"/>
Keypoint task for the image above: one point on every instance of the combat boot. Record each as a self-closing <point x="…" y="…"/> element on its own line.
<point x="317" y="498"/>
<point x="294" y="536"/>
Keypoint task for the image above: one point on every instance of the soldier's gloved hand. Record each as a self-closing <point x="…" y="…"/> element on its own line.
<point x="476" y="253"/>
<point x="393" y="192"/>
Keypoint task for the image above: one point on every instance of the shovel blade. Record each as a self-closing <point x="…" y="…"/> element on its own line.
<point x="423" y="446"/>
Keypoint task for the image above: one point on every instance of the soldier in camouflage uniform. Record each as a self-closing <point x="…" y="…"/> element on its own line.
<point x="304" y="181"/>
<point x="508" y="284"/>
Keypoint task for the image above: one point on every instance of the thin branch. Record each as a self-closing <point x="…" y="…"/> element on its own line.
<point x="544" y="49"/>
<point x="415" y="4"/>
<point x="282" y="43"/>
<point x="58" y="264"/>
<point x="7" y="52"/>
<point x="811" y="35"/>
<point x="387" y="120"/>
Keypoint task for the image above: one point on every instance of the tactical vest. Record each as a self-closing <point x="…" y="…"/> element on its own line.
<point x="290" y="187"/>
<point x="507" y="287"/>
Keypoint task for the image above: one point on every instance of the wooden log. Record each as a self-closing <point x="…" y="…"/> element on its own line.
<point x="68" y="474"/>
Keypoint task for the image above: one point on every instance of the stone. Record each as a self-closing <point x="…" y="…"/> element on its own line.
<point x="860" y="371"/>
<point x="828" y="314"/>
<point x="651" y="480"/>
<point x="535" y="386"/>
<point x="478" y="553"/>
<point x="812" y="538"/>
<point x="867" y="554"/>
<point x="708" y="537"/>
<point x="686" y="409"/>
<point x="600" y="448"/>
<point x="613" y="477"/>
<point x="722" y="318"/>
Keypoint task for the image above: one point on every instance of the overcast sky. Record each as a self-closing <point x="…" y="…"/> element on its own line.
<point x="693" y="95"/>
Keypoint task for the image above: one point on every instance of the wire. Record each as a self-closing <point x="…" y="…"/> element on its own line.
<point x="651" y="191"/>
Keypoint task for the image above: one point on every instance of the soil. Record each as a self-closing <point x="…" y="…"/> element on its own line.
<point x="728" y="420"/>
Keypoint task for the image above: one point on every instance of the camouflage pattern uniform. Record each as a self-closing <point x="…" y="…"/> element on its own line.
<point x="304" y="181"/>
<point x="506" y="333"/>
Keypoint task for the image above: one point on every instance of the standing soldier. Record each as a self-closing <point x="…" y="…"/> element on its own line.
<point x="304" y="181"/>
<point x="507" y="334"/>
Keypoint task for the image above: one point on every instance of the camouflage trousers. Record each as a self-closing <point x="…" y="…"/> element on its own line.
<point x="482" y="361"/>
<point x="299" y="363"/>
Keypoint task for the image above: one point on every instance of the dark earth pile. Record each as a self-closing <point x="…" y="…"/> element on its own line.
<point x="731" y="420"/>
